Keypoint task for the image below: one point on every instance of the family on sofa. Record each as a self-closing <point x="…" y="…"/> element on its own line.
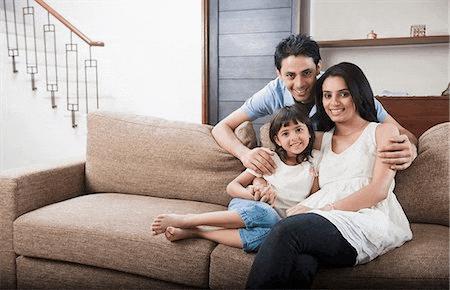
<point x="323" y="197"/>
<point x="87" y="224"/>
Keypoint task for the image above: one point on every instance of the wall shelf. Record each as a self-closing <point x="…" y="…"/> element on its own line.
<point x="385" y="41"/>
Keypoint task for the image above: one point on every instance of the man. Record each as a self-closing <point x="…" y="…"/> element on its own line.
<point x="297" y="62"/>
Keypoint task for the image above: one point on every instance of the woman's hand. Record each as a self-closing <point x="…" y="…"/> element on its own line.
<point x="297" y="209"/>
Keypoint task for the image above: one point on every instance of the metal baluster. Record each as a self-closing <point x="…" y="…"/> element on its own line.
<point x="72" y="57"/>
<point x="51" y="66"/>
<point x="92" y="65"/>
<point x="12" y="51"/>
<point x="32" y="68"/>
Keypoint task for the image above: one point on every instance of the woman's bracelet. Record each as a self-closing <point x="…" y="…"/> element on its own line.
<point x="332" y="206"/>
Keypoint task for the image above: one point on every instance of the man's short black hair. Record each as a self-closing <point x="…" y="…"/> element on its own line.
<point x="300" y="44"/>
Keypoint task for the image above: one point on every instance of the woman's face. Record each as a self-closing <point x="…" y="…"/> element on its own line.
<point x="337" y="100"/>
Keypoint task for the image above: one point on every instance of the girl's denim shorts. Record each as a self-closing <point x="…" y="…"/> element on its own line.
<point x="258" y="217"/>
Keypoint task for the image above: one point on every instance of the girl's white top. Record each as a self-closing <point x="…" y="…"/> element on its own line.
<point x="292" y="183"/>
<point x="371" y="231"/>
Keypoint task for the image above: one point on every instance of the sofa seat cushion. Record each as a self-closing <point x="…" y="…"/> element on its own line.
<point x="113" y="231"/>
<point x="420" y="263"/>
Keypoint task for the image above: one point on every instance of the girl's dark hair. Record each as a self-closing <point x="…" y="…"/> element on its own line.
<point x="300" y="44"/>
<point x="287" y="115"/>
<point x="359" y="88"/>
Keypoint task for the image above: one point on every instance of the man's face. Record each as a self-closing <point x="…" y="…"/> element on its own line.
<point x="299" y="75"/>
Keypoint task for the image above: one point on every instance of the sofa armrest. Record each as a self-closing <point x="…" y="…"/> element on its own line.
<point x="26" y="189"/>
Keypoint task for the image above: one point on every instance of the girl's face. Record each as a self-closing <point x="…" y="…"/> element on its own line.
<point x="294" y="138"/>
<point x="337" y="100"/>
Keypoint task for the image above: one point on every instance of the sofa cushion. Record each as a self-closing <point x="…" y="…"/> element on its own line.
<point x="423" y="188"/>
<point x="264" y="136"/>
<point x="113" y="231"/>
<point x="246" y="134"/>
<point x="420" y="263"/>
<point x="35" y="273"/>
<point x="223" y="272"/>
<point x="144" y="155"/>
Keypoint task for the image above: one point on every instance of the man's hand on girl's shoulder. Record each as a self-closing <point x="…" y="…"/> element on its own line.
<point x="259" y="160"/>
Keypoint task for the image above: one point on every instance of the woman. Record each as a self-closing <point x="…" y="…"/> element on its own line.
<point x="355" y="216"/>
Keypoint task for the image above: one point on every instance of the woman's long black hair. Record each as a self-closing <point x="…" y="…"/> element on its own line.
<point x="287" y="115"/>
<point x="359" y="88"/>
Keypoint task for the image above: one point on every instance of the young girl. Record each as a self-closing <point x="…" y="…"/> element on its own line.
<point x="249" y="216"/>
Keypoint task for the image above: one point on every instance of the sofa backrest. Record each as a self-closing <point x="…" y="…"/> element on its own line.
<point x="144" y="155"/>
<point x="423" y="188"/>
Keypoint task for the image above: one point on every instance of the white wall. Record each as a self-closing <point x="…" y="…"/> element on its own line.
<point x="151" y="65"/>
<point x="416" y="70"/>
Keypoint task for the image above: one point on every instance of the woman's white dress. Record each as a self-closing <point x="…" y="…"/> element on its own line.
<point x="371" y="231"/>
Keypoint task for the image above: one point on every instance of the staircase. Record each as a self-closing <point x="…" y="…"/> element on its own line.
<point x="48" y="83"/>
<point x="54" y="54"/>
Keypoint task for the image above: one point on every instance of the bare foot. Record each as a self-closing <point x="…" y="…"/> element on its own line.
<point x="161" y="222"/>
<point x="174" y="234"/>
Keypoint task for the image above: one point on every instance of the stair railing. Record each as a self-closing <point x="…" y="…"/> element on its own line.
<point x="12" y="38"/>
<point x="71" y="51"/>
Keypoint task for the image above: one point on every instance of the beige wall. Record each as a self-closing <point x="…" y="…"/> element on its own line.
<point x="412" y="70"/>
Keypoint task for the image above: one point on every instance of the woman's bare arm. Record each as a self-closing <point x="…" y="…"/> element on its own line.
<point x="378" y="189"/>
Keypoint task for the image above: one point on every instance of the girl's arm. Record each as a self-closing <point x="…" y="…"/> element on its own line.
<point x="239" y="187"/>
<point x="378" y="189"/>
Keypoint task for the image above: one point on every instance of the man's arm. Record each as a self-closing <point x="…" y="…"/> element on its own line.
<point x="401" y="151"/>
<point x="258" y="159"/>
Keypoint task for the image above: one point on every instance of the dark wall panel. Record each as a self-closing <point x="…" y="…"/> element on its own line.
<point x="254" y="21"/>
<point x="252" y="4"/>
<point x="240" y="89"/>
<point x="226" y="108"/>
<point x="246" y="67"/>
<point x="255" y="44"/>
<point x="245" y="35"/>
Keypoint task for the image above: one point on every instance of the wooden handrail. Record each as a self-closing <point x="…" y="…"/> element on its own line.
<point x="69" y="25"/>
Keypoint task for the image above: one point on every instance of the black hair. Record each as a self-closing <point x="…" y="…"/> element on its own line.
<point x="300" y="44"/>
<point x="287" y="115"/>
<point x="359" y="88"/>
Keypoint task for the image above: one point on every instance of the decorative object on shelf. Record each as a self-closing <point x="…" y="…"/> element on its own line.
<point x="418" y="30"/>
<point x="371" y="35"/>
<point x="446" y="92"/>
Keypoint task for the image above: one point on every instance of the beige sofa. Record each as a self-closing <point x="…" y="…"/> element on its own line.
<point x="86" y="224"/>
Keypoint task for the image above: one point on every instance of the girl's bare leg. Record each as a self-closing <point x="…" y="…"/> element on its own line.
<point x="229" y="237"/>
<point x="225" y="219"/>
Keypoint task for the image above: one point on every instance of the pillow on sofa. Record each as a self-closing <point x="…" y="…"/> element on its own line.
<point x="246" y="134"/>
<point x="423" y="188"/>
<point x="264" y="136"/>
